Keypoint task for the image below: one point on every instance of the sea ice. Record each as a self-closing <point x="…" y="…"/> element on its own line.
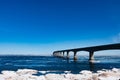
<point x="27" y="74"/>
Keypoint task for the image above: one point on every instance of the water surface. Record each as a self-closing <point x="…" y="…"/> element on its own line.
<point x="50" y="63"/>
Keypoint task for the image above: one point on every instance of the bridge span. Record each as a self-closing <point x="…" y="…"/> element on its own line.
<point x="91" y="50"/>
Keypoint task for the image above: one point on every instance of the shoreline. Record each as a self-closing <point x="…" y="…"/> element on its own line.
<point x="29" y="74"/>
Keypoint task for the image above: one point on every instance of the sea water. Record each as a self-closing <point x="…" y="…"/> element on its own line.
<point x="58" y="65"/>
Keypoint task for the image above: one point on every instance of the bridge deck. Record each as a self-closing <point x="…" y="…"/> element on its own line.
<point x="95" y="48"/>
<point x="91" y="50"/>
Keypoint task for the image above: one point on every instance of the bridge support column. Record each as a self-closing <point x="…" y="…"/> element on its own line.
<point x="75" y="57"/>
<point x="67" y="55"/>
<point x="60" y="54"/>
<point x="91" y="56"/>
<point x="63" y="54"/>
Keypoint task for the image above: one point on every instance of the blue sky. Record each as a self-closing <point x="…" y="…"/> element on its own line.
<point x="42" y="26"/>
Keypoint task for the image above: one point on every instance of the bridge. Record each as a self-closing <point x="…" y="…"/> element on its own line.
<point x="91" y="50"/>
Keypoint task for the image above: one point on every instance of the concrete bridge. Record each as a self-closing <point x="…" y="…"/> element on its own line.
<point x="91" y="50"/>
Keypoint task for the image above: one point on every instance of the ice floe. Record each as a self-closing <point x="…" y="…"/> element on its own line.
<point x="27" y="74"/>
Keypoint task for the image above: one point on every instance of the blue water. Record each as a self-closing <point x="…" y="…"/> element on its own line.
<point x="50" y="63"/>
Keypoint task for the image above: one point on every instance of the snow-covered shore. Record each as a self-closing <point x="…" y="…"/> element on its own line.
<point x="27" y="74"/>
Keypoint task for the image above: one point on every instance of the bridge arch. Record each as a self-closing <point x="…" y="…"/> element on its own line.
<point x="82" y="52"/>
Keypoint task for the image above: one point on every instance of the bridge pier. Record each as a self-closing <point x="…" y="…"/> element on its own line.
<point x="75" y="56"/>
<point x="59" y="54"/>
<point x="63" y="54"/>
<point x="67" y="54"/>
<point x="91" y="56"/>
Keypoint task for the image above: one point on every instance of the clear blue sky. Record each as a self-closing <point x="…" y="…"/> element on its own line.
<point x="41" y="26"/>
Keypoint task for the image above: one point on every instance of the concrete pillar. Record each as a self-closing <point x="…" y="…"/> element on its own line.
<point x="67" y="54"/>
<point x="54" y="54"/>
<point x="57" y="54"/>
<point x="75" y="57"/>
<point x="63" y="54"/>
<point x="60" y="54"/>
<point x="91" y="56"/>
